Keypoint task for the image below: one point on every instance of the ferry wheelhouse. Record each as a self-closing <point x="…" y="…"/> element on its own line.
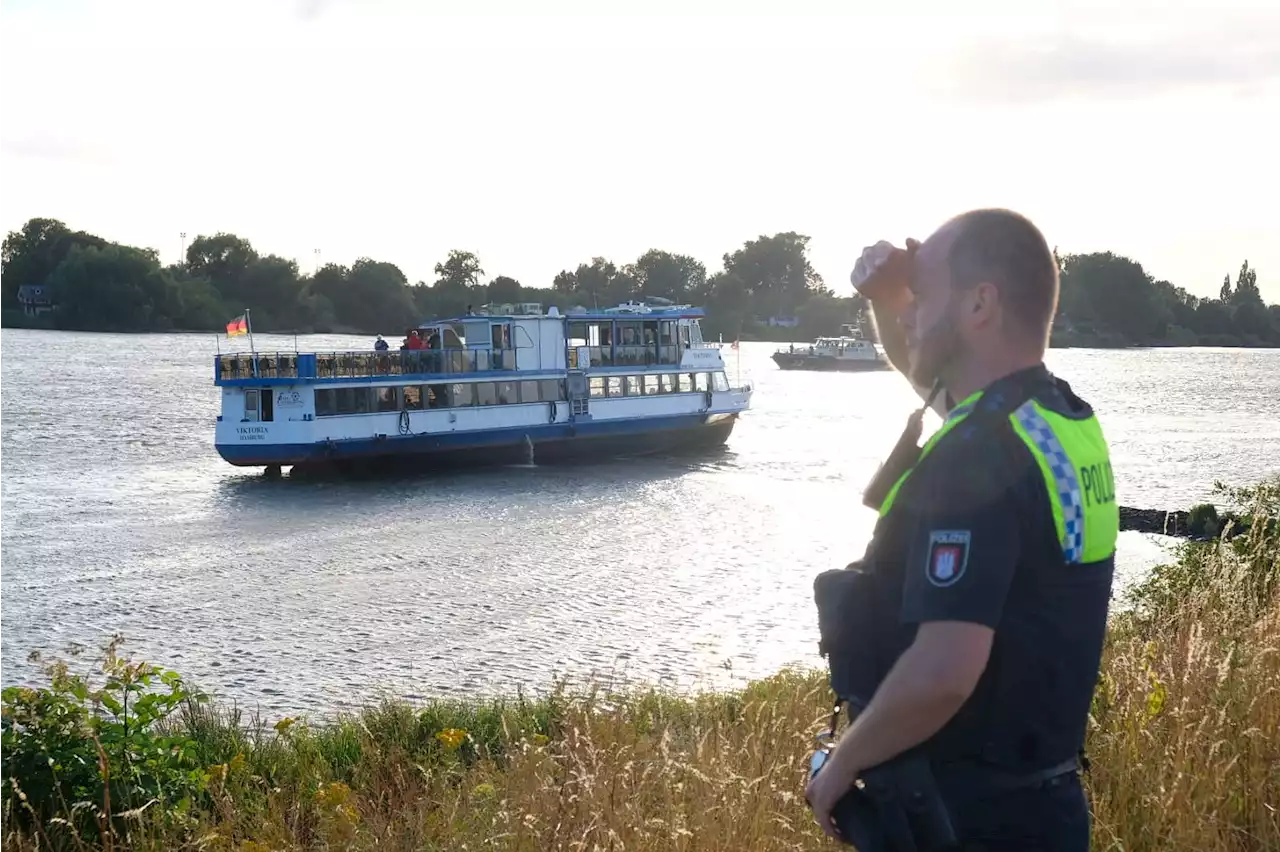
<point x="491" y="387"/>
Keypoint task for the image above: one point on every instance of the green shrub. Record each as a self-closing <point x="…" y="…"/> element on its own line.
<point x="87" y="754"/>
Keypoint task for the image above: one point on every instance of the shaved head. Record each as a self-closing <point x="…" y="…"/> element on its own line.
<point x="1005" y="249"/>
<point x="984" y="290"/>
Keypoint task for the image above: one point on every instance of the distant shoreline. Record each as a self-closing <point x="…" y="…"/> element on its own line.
<point x="1074" y="343"/>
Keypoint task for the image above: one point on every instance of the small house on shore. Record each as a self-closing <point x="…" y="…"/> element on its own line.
<point x="35" y="299"/>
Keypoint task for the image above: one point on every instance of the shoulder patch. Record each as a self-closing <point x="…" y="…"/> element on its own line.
<point x="948" y="556"/>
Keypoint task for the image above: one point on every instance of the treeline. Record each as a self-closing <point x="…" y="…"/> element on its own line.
<point x="1108" y="300"/>
<point x="94" y="284"/>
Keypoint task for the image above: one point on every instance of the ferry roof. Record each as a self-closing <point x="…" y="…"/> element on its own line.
<point x="627" y="311"/>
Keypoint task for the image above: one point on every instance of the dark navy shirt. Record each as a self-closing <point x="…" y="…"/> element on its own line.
<point x="974" y="528"/>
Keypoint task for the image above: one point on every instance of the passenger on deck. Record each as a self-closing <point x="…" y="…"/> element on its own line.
<point x="413" y="341"/>
<point x="380" y="344"/>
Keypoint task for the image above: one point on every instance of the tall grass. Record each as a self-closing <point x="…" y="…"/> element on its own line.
<point x="1184" y="745"/>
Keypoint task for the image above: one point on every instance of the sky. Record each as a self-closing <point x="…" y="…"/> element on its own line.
<point x="334" y="129"/>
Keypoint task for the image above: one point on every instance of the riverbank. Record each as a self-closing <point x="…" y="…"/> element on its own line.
<point x="1180" y="753"/>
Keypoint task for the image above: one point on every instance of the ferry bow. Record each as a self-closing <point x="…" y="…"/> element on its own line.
<point x="489" y="387"/>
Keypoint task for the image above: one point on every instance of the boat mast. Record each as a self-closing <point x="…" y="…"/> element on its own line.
<point x="253" y="353"/>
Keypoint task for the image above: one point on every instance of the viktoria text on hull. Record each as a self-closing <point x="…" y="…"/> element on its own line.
<point x="486" y="387"/>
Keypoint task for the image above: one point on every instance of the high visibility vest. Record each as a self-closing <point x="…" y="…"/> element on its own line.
<point x="1073" y="458"/>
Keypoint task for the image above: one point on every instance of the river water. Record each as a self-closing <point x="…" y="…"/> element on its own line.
<point x="118" y="516"/>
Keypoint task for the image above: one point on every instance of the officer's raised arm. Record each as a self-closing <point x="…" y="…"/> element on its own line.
<point x="882" y="275"/>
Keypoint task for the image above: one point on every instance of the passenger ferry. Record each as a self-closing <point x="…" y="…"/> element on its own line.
<point x="496" y="386"/>
<point x="850" y="352"/>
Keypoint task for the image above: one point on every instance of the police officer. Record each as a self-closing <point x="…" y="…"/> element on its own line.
<point x="997" y="542"/>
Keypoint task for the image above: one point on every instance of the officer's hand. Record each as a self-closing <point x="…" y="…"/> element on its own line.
<point x="825" y="790"/>
<point x="883" y="274"/>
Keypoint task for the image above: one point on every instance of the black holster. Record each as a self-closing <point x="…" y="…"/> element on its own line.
<point x="897" y="808"/>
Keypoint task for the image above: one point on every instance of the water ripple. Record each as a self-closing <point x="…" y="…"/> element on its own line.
<point x="308" y="596"/>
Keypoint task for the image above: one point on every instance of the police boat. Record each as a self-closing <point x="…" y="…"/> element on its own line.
<point x="850" y="352"/>
<point x="497" y="385"/>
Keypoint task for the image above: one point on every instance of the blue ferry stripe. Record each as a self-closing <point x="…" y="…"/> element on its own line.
<point x="262" y="454"/>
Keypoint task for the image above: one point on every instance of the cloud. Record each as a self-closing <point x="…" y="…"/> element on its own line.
<point x="1244" y="58"/>
<point x="46" y="147"/>
<point x="311" y="10"/>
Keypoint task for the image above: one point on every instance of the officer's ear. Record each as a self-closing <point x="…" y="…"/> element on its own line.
<point x="983" y="304"/>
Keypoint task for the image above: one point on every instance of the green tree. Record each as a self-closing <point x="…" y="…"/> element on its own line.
<point x="677" y="277"/>
<point x="31" y="254"/>
<point x="114" y="288"/>
<point x="224" y="260"/>
<point x="504" y="289"/>
<point x="1115" y="294"/>
<point x="776" y="273"/>
<point x="460" y="269"/>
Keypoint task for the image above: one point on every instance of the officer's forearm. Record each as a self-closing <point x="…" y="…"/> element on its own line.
<point x="892" y="338"/>
<point x="912" y="704"/>
<point x="894" y="342"/>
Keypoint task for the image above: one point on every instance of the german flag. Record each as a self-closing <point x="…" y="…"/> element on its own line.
<point x="237" y="326"/>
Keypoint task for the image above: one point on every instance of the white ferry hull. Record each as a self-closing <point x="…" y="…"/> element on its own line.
<point x="550" y="442"/>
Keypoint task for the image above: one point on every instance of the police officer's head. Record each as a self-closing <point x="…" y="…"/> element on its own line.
<point x="985" y="286"/>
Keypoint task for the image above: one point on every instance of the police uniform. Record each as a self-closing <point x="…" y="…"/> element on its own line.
<point x="1007" y="518"/>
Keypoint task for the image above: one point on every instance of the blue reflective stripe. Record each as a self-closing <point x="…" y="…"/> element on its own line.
<point x="959" y="411"/>
<point x="1064" y="478"/>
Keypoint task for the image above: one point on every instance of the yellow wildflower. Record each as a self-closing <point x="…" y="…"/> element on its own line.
<point x="452" y="737"/>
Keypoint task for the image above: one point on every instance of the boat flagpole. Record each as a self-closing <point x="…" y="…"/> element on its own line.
<point x="253" y="353"/>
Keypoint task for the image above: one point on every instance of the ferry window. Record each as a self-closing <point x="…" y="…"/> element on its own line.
<point x="597" y="386"/>
<point x="552" y="390"/>
<point x="486" y="393"/>
<point x="501" y="335"/>
<point x="579" y="334"/>
<point x="720" y="381"/>
<point x="507" y="393"/>
<point x="700" y="380"/>
<point x="326" y="403"/>
<point x="686" y="382"/>
<point x="251" y="405"/>
<point x="667" y="331"/>
<point x="615" y="385"/>
<point x="684" y="336"/>
<point x="412" y="397"/>
<point x="629" y="334"/>
<point x="650" y="333"/>
<point x="352" y="401"/>
<point x="460" y="395"/>
<point x="529" y="392"/>
<point x="634" y="385"/>
<point x="667" y="382"/>
<point x="650" y="384"/>
<point x="387" y="399"/>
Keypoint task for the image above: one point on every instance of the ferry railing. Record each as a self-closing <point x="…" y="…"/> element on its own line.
<point x="343" y="365"/>
<point x="275" y="365"/>
<point x="351" y="365"/>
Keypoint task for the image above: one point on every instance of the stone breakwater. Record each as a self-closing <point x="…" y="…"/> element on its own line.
<point x="1161" y="521"/>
